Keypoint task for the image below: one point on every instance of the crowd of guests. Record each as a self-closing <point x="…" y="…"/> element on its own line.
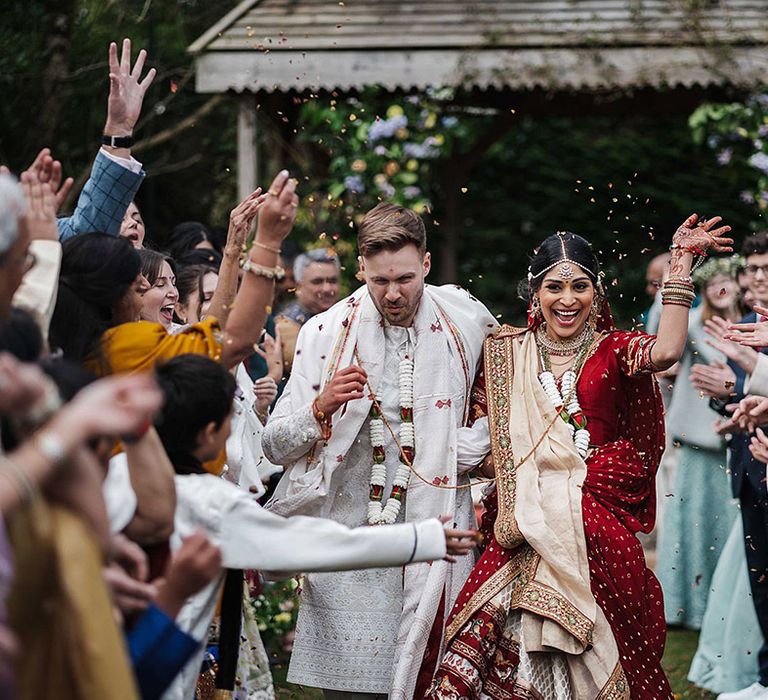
<point x="135" y="381"/>
<point x="711" y="528"/>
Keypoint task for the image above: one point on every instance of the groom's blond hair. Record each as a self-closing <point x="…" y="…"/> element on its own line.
<point x="390" y="227"/>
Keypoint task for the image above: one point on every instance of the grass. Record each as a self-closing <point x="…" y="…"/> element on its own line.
<point x="681" y="646"/>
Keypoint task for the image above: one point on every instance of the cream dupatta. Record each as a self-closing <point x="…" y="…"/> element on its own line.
<point x="536" y="458"/>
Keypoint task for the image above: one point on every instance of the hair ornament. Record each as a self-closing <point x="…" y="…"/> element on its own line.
<point x="567" y="270"/>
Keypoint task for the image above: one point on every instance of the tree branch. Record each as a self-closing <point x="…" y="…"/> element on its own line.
<point x="156" y="140"/>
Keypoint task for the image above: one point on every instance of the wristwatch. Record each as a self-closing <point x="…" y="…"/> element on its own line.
<point x="117" y="141"/>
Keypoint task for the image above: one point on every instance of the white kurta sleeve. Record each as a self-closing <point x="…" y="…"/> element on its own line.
<point x="119" y="495"/>
<point x="288" y="437"/>
<point x="472" y="445"/>
<point x="39" y="287"/>
<point x="253" y="538"/>
<point x="292" y="429"/>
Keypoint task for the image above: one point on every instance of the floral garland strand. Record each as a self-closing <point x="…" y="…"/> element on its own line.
<point x="566" y="402"/>
<point x="387" y="514"/>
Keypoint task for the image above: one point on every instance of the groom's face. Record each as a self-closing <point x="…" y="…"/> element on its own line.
<point x="395" y="280"/>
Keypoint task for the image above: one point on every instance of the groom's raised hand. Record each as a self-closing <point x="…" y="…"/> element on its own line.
<point x="347" y="384"/>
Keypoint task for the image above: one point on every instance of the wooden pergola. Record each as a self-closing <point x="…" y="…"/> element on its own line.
<point x="498" y="52"/>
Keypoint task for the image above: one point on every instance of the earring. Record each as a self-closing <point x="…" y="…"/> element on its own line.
<point x="534" y="312"/>
<point x="595" y="310"/>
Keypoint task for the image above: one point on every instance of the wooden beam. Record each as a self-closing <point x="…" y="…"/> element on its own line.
<point x="247" y="146"/>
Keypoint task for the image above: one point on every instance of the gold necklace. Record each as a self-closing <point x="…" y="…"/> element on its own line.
<point x="562" y="348"/>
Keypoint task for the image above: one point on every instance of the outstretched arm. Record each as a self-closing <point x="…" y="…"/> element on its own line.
<point x="249" y="312"/>
<point x="693" y="237"/>
<point x="116" y="175"/>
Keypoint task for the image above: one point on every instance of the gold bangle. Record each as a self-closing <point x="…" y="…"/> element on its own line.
<point x="675" y="302"/>
<point x="276" y="251"/>
<point x="271" y="273"/>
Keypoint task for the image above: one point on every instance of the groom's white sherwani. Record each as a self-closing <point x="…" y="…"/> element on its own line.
<point x="366" y="631"/>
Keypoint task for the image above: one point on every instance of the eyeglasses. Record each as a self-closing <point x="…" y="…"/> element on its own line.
<point x="754" y="269"/>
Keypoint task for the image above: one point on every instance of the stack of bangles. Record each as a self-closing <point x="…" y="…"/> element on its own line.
<point x="678" y="291"/>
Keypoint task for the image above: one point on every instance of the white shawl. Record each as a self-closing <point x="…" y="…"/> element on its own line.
<point x="450" y="326"/>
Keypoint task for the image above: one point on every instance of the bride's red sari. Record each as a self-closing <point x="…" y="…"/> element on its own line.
<point x="621" y="400"/>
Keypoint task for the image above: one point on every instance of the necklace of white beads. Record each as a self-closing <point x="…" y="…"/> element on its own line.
<point x="379" y="512"/>
<point x="565" y="398"/>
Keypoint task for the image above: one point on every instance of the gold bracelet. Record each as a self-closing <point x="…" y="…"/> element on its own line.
<point x="271" y="273"/>
<point x="276" y="251"/>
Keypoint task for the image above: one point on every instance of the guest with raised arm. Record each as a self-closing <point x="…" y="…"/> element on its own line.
<point x="748" y="477"/>
<point x="116" y="175"/>
<point x="101" y="289"/>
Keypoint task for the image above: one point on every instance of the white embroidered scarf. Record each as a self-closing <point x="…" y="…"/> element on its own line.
<point x="449" y="327"/>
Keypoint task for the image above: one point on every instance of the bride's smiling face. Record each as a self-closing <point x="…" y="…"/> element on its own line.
<point x="566" y="301"/>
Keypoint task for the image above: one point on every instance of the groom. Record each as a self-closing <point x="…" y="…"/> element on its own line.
<point x="380" y="384"/>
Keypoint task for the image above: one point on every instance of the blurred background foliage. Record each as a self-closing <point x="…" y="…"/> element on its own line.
<point x="625" y="180"/>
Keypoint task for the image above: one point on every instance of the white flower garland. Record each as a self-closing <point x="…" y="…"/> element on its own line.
<point x="388" y="513"/>
<point x="576" y="421"/>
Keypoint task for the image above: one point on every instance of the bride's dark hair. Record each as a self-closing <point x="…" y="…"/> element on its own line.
<point x="553" y="250"/>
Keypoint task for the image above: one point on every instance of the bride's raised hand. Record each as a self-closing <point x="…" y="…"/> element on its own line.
<point x="700" y="236"/>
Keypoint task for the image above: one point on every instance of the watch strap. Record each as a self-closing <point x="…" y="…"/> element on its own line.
<point x="117" y="141"/>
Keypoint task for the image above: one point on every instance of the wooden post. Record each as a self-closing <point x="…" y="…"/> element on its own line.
<point x="247" y="146"/>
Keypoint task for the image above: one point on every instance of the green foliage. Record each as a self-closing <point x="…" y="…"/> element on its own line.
<point x="191" y="176"/>
<point x="738" y="132"/>
<point x="275" y="610"/>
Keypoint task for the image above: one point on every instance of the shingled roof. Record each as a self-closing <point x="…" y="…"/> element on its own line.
<point x="557" y="44"/>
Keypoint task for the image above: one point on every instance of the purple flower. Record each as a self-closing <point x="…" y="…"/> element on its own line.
<point x="411" y="192"/>
<point x="724" y="157"/>
<point x="762" y="130"/>
<point x="713" y="141"/>
<point x="386" y="128"/>
<point x="449" y="122"/>
<point x="354" y="183"/>
<point x="427" y="149"/>
<point x="759" y="161"/>
<point x="380" y="150"/>
<point x="387" y="189"/>
<point x="747" y="197"/>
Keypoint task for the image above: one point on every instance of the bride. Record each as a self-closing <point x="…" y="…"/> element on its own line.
<point x="561" y="603"/>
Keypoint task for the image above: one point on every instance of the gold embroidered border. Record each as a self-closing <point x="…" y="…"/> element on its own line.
<point x="522" y="565"/>
<point x="617" y="687"/>
<point x="546" y="602"/>
<point x="499" y="372"/>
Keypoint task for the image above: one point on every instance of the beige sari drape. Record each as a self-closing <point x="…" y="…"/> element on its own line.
<point x="536" y="460"/>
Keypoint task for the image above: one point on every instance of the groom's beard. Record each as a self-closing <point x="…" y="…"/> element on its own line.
<point x="402" y="312"/>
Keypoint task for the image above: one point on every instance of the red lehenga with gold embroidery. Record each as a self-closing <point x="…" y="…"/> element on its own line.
<point x="519" y="608"/>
